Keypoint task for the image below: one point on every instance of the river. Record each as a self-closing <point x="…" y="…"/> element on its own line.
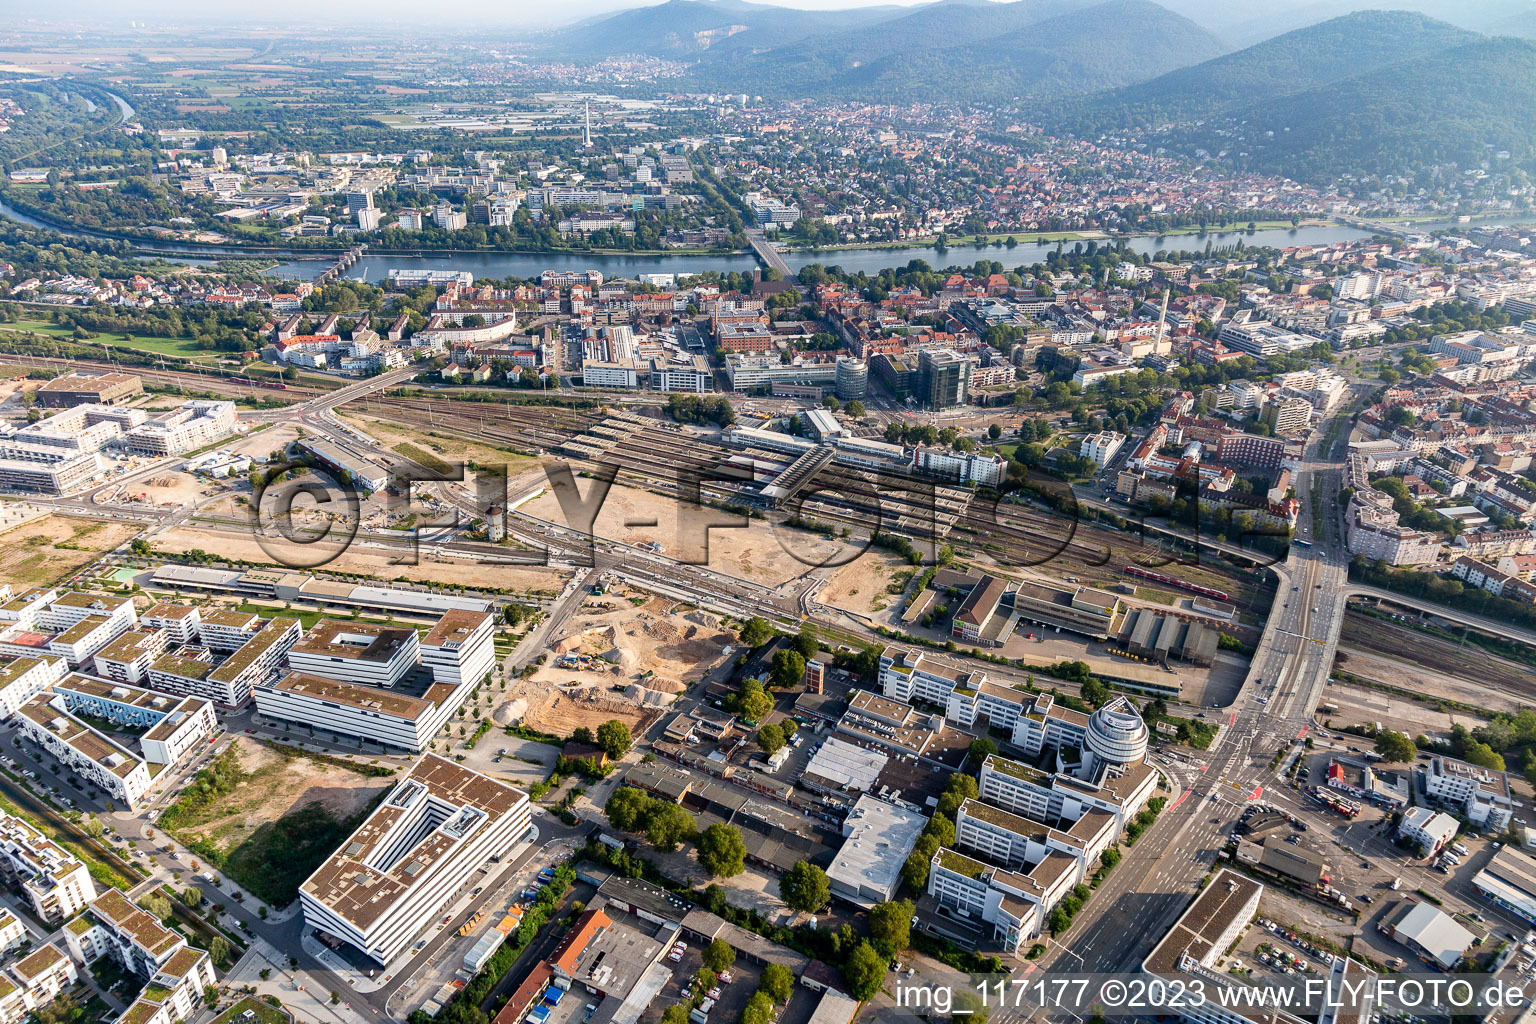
<point x="293" y="263"/>
<point x="871" y="261"/>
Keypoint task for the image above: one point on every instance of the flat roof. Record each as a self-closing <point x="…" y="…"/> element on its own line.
<point x="846" y="764"/>
<point x="132" y="645"/>
<point x="169" y="610"/>
<point x="77" y="734"/>
<point x="353" y="641"/>
<point x="362" y="880"/>
<point x="454" y="627"/>
<point x="183" y="665"/>
<point x="258" y="645"/>
<point x="364" y="698"/>
<point x="1196" y="931"/>
<point x="879" y="837"/>
<point x="114" y="907"/>
<point x="229" y="618"/>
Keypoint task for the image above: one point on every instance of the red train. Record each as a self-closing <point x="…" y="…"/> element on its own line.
<point x="1172" y="581"/>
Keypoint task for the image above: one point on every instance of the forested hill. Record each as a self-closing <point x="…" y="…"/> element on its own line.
<point x="1335" y="50"/>
<point x="976" y="52"/>
<point x="690" y="29"/>
<point x="1367" y="95"/>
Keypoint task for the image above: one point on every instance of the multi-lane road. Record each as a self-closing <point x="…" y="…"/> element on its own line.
<point x="1153" y="883"/>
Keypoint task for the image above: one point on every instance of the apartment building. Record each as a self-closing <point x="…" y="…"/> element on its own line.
<point x="22" y="678"/>
<point x="1101" y="447"/>
<point x="179" y="622"/>
<point x="172" y="725"/>
<point x="228" y="630"/>
<point x="127" y="659"/>
<point x="31" y="982"/>
<point x="55" y="883"/>
<point x="256" y="661"/>
<point x="356" y="652"/>
<point x="176" y="972"/>
<point x="121" y="774"/>
<point x="193" y="425"/>
<point x="430" y="835"/>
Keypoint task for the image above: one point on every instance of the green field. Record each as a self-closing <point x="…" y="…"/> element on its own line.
<point x="184" y="348"/>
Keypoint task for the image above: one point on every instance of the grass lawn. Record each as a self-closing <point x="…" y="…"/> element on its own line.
<point x="265" y="1012"/>
<point x="307" y="619"/>
<point x="184" y="348"/>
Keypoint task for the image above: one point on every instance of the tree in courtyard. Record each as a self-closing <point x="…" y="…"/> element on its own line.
<point x="890" y="926"/>
<point x="754" y="700"/>
<point x="668" y="825"/>
<point x="722" y="852"/>
<point x="788" y="669"/>
<point x="759" y="1009"/>
<point x="804" y="887"/>
<point x="778" y="982"/>
<point x="628" y="808"/>
<point x="864" y="971"/>
<point x="718" y="956"/>
<point x="770" y="738"/>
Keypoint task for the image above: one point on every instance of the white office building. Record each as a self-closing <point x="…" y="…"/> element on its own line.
<point x="356" y="652"/>
<point x="1480" y="794"/>
<point x="393" y="876"/>
<point x="460" y="648"/>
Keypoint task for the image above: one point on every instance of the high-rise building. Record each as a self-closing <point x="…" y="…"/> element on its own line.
<point x="358" y="200"/>
<point x="944" y="377"/>
<point x="851" y="378"/>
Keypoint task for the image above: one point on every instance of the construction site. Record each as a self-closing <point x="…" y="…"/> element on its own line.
<point x="626" y="655"/>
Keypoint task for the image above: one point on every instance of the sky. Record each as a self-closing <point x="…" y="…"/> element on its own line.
<point x="533" y="13"/>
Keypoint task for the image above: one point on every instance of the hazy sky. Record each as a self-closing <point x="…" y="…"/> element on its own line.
<point x="275" y="13"/>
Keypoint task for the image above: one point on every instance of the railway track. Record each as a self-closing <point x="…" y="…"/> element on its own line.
<point x="658" y="459"/>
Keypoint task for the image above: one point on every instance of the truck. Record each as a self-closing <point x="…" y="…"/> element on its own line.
<point x="1459" y="849"/>
<point x="1397" y="883"/>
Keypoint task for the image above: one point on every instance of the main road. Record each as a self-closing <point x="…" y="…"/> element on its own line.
<point x="1154" y="881"/>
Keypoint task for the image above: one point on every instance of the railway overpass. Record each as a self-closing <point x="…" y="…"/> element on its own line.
<point x="1440" y="611"/>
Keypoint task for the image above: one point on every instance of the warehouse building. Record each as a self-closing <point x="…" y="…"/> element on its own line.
<point x="1432" y="934"/>
<point x="878" y="837"/>
<point x="89" y="389"/>
<point x="1509" y="880"/>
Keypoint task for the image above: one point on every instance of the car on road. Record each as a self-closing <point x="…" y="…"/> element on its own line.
<point x="419" y="946"/>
